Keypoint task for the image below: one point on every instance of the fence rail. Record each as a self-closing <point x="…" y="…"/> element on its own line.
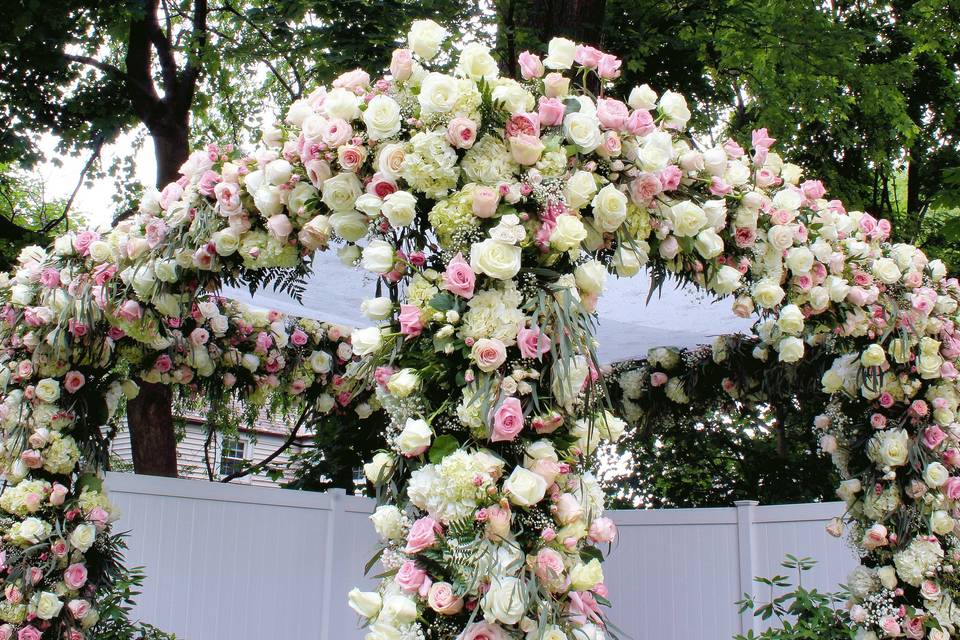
<point x="237" y="562"/>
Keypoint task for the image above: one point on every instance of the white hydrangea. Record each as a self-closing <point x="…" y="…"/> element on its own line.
<point x="447" y="490"/>
<point x="920" y="557"/>
<point x="494" y="313"/>
<point x="430" y="164"/>
<point x="488" y="162"/>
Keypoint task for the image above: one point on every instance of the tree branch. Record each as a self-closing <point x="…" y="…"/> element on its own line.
<point x="97" y="146"/>
<point x="138" y="62"/>
<point x="256" y="468"/>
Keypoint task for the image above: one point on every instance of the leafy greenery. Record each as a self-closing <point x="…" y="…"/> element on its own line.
<point x="800" y="612"/>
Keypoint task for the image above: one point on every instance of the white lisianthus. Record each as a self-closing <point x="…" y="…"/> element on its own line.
<point x="425" y="38"/>
<point x="609" y="208"/>
<point x="583" y="131"/>
<point x="495" y="258"/>
<point x="400" y="208"/>
<point x="366" y="341"/>
<point x="378" y="257"/>
<point x="524" y="487"/>
<point x="382" y="117"/>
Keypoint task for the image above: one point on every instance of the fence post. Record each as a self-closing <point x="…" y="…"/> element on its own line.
<point x="330" y="564"/>
<point x="745" y="558"/>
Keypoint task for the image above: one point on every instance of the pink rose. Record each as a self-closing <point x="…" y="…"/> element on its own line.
<point x="658" y="379"/>
<point x="497" y="522"/>
<point x="422" y="535"/>
<point x="228" y="198"/>
<point x="482" y="631"/>
<point x="298" y="337"/>
<point x="813" y="189"/>
<point x="443" y="600"/>
<point x="59" y="547"/>
<point x="644" y="188"/>
<point x="83" y="241"/>
<point x="890" y="626"/>
<point x="485" y="201"/>
<point x="199" y="336"/>
<point x="31" y="458"/>
<point x="208" y="182"/>
<point x="99" y="517"/>
<point x="462" y="132"/>
<point x="279" y="226"/>
<point x="489" y="354"/>
<point x="603" y="530"/>
<point x="170" y="194"/>
<point x="612" y="113"/>
<point x="318" y="171"/>
<point x="933" y="436"/>
<point x="569" y="509"/>
<point x="58" y="494"/>
<point x="410" y="577"/>
<point x="875" y="537"/>
<point x="29" y="632"/>
<point x="549" y="566"/>
<point x="6" y="632"/>
<point x="555" y="85"/>
<point x="336" y="132"/>
<point x="381" y="186"/>
<point x="73" y="381"/>
<point x="587" y="56"/>
<point x="75" y="576"/>
<point x="530" y="65"/>
<point x="551" y="111"/>
<point x="78" y="608"/>
<point x="13" y="594"/>
<point x="507" y="421"/>
<point x="130" y="310"/>
<point x="522" y="122"/>
<point x="410" y="323"/>
<point x="532" y="342"/>
<point x="526" y="149"/>
<point x="355" y="80"/>
<point x="639" y="123"/>
<point x="952" y="488"/>
<point x="50" y="278"/>
<point x="351" y="156"/>
<point x="459" y="279"/>
<point x="401" y="64"/>
<point x="609" y="67"/>
<point x="670" y="177"/>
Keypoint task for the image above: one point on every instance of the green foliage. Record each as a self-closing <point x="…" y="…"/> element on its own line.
<point x="799" y="612"/>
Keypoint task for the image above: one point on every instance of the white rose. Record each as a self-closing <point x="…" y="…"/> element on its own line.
<point x="790" y="319"/>
<point x="789" y="199"/>
<point x="320" y="361"/>
<point x="800" y="259"/>
<point x="378" y="257"/>
<point x="716" y="212"/>
<point x="226" y="241"/>
<point x="415" y="437"/>
<point x="780" y="236"/>
<point x="642" y="97"/>
<point x="791" y="173"/>
<point x="687" y="218"/>
<point x="476" y="62"/>
<point x="367" y="604"/>
<point x="349" y="225"/>
<point x="628" y="263"/>
<point x="377" y="308"/>
<point x="438" y="93"/>
<point x="767" y="293"/>
<point x="791" y="349"/>
<point x="583" y="130"/>
<point x="366" y="341"/>
<point x="674" y="107"/>
<point x="278" y="172"/>
<point x="938" y="270"/>
<point x="568" y="233"/>
<point x="165" y="270"/>
<point x="400" y="208"/>
<point x="505" y="601"/>
<point x="382" y="117"/>
<point x="46" y="605"/>
<point x="873" y="356"/>
<point x="609" y="208"/>
<point x="341" y="191"/>
<point x="524" y="487"/>
<point x="837" y="287"/>
<point x="560" y="54"/>
<point x="33" y="529"/>
<point x="340" y="103"/>
<point x="935" y="475"/>
<point x="83" y="537"/>
<point x="398" y="610"/>
<point x="586" y="576"/>
<point x="402" y="383"/>
<point x="887" y="271"/>
<point x="380" y="468"/>
<point x="579" y="189"/>
<point x="388" y="521"/>
<point x="725" y="280"/>
<point x="941" y="522"/>
<point x="708" y="243"/>
<point x="591" y="277"/>
<point x="425" y="38"/>
<point x="47" y="390"/>
<point x="495" y="258"/>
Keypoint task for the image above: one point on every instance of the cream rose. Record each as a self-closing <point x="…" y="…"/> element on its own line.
<point x="83" y="537"/>
<point x="495" y="258"/>
<point x="415" y="437"/>
<point x="388" y="522"/>
<point x="582" y="130"/>
<point x="382" y="117"/>
<point x="402" y="383"/>
<point x="47" y="390"/>
<point x="560" y="53"/>
<point x="568" y="234"/>
<point x="505" y="601"/>
<point x="476" y="62"/>
<point x="425" y="37"/>
<point x="525" y="487"/>
<point x="378" y="257"/>
<point x="687" y="218"/>
<point x="438" y="93"/>
<point x="400" y="208"/>
<point x="591" y="277"/>
<point x="609" y="208"/>
<point x="579" y="190"/>
<point x="341" y="191"/>
<point x="367" y="604"/>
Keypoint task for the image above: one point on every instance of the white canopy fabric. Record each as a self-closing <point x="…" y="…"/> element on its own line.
<point x="628" y="326"/>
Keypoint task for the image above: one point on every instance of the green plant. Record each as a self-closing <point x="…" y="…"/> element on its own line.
<point x="801" y="612"/>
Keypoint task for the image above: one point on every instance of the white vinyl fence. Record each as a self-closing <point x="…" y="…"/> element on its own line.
<point x="237" y="562"/>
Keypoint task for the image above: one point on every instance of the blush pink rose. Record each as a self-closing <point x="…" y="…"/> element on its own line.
<point x="279" y="226"/>
<point x="443" y="600"/>
<point x="130" y="310"/>
<point x="507" y="421"/>
<point x="357" y="79"/>
<point x="298" y="337"/>
<point x="58" y="494"/>
<point x="933" y="436"/>
<point x="603" y="530"/>
<point x="644" y="188"/>
<point x="75" y="576"/>
<point x="78" y="608"/>
<point x="401" y="64"/>
<point x="381" y="186"/>
<point x="410" y="577"/>
<point x="459" y="279"/>
<point x="6" y="632"/>
<point x="29" y="632"/>
<point x="523" y="123"/>
<point x="658" y="379"/>
<point x="813" y="189"/>
<point x="612" y="113"/>
<point x="532" y="342"/>
<point x="483" y="631"/>
<point x="83" y="241"/>
<point x="410" y="322"/>
<point x="336" y="132"/>
<point x="530" y="66"/>
<point x="549" y="566"/>
<point x="587" y="56"/>
<point x="485" y="201"/>
<point x="952" y="488"/>
<point x="639" y="123"/>
<point x="489" y="353"/>
<point x="73" y="381"/>
<point x="170" y="194"/>
<point x="422" y="535"/>
<point x="462" y="132"/>
<point x="569" y="509"/>
<point x="551" y="111"/>
<point x="609" y="67"/>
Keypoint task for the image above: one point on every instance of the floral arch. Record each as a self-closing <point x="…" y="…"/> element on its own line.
<point x="493" y="210"/>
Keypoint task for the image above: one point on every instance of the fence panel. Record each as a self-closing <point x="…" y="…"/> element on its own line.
<point x="235" y="562"/>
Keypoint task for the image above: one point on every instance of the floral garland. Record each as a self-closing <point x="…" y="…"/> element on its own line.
<point x="494" y="209"/>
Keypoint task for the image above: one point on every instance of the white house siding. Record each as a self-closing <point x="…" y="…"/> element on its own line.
<point x="190" y="454"/>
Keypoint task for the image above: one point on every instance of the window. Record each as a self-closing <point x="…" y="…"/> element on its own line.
<point x="232" y="455"/>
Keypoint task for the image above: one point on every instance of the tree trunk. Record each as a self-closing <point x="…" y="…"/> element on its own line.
<point x="579" y="20"/>
<point x="150" y="415"/>
<point x="152" y="440"/>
